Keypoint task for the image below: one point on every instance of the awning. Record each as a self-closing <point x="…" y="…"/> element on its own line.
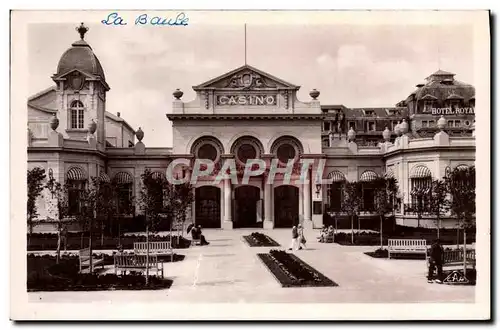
<point x="123" y="178"/>
<point x="76" y="174"/>
<point x="462" y="167"/>
<point x="336" y="176"/>
<point x="103" y="177"/>
<point x="428" y="97"/>
<point x="368" y="176"/>
<point x="420" y="171"/>
<point x="454" y="97"/>
<point x="158" y="175"/>
<point x="389" y="173"/>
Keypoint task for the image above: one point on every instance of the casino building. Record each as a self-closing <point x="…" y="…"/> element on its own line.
<point x="249" y="114"/>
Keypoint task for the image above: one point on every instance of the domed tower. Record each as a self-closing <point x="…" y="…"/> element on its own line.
<point x="81" y="91"/>
<point x="442" y="95"/>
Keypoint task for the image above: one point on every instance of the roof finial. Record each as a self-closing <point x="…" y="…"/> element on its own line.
<point x="82" y="29"/>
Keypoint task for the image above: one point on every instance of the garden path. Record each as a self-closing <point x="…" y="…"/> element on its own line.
<point x="229" y="271"/>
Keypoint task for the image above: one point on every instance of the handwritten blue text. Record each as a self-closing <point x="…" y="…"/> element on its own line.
<point x="143" y="19"/>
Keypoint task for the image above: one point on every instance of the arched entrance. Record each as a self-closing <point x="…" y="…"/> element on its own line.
<point x="246" y="208"/>
<point x="286" y="206"/>
<point x="207" y="207"/>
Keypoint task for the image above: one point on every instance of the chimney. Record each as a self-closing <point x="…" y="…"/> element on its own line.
<point x="118" y="114"/>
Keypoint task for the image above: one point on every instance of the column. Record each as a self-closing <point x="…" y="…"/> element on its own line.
<point x="268" y="221"/>
<point x="307" y="199"/>
<point x="228" y="222"/>
<point x="301" y="203"/>
<point x="193" y="206"/>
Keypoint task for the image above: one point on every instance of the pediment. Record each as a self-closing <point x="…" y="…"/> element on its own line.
<point x="246" y="78"/>
<point x="73" y="72"/>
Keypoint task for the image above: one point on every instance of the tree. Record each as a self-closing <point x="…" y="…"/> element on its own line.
<point x="151" y="203"/>
<point x="351" y="202"/>
<point x="35" y="179"/>
<point x="438" y="203"/>
<point x="385" y="193"/>
<point x="419" y="207"/>
<point x="124" y="205"/>
<point x="461" y="184"/>
<point x="106" y="202"/>
<point x="87" y="216"/>
<point x="178" y="199"/>
<point x="60" y="194"/>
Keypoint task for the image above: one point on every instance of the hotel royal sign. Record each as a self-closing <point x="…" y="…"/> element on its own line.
<point x="246" y="99"/>
<point x="452" y="111"/>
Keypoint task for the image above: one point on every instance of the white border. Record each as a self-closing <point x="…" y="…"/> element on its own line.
<point x="22" y="309"/>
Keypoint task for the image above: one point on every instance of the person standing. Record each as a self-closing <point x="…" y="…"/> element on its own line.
<point x="295" y="237"/>
<point x="435" y="261"/>
<point x="301" y="239"/>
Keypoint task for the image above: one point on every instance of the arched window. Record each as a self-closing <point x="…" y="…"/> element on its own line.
<point x="367" y="179"/>
<point x="420" y="182"/>
<point x="334" y="191"/>
<point x="287" y="148"/>
<point x="159" y="178"/>
<point x="76" y="113"/>
<point x="396" y="199"/>
<point x="76" y="179"/>
<point x="125" y="182"/>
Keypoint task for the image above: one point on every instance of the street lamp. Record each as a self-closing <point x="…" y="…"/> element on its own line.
<point x="318" y="189"/>
<point x="50" y="183"/>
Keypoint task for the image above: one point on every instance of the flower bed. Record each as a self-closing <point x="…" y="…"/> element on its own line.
<point x="259" y="239"/>
<point x="48" y="241"/>
<point x="291" y="271"/>
<point x="45" y="275"/>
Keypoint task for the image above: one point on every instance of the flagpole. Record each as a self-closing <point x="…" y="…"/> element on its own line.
<point x="245" y="44"/>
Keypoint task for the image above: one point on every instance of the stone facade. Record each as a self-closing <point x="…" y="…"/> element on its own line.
<point x="248" y="113"/>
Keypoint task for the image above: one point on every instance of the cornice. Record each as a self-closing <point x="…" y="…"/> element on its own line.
<point x="173" y="117"/>
<point x="425" y="149"/>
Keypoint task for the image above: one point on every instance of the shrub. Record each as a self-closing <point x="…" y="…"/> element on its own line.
<point x="48" y="241"/>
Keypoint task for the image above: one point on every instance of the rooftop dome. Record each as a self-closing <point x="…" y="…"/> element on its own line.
<point x="441" y="84"/>
<point x="80" y="56"/>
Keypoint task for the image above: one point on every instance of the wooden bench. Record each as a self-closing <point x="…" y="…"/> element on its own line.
<point x="84" y="258"/>
<point x="134" y="262"/>
<point x="195" y="241"/>
<point x="328" y="238"/>
<point x="155" y="248"/>
<point x="455" y="259"/>
<point x="403" y="245"/>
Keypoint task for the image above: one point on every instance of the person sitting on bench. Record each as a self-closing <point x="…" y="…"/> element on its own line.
<point x="196" y="234"/>
<point x="435" y="261"/>
<point x="323" y="234"/>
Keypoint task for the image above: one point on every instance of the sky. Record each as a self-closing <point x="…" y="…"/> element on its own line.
<point x="353" y="65"/>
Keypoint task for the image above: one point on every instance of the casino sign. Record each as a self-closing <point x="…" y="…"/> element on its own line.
<point x="246" y="99"/>
<point x="452" y="111"/>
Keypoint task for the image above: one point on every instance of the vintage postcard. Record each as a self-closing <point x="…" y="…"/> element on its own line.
<point x="263" y="165"/>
